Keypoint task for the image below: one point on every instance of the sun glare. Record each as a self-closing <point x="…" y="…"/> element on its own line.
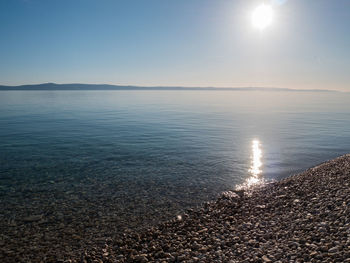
<point x="262" y="16"/>
<point x="255" y="171"/>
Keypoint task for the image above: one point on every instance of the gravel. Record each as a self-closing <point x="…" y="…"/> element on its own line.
<point x="303" y="218"/>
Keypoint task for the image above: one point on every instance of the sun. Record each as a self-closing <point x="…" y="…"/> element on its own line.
<point x="262" y="16"/>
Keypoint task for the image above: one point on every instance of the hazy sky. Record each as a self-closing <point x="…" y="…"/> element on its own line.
<point x="182" y="42"/>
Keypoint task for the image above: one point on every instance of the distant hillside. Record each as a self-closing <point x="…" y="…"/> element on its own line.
<point x="78" y="86"/>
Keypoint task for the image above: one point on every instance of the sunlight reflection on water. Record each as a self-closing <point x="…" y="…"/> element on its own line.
<point x="255" y="168"/>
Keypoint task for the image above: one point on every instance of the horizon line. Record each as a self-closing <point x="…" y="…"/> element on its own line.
<point x="94" y="86"/>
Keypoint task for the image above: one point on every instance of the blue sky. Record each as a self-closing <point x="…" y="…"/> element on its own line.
<point x="175" y="43"/>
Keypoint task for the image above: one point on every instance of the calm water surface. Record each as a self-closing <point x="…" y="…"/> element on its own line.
<point x="136" y="157"/>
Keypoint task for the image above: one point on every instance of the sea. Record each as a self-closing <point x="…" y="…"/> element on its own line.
<point x="108" y="161"/>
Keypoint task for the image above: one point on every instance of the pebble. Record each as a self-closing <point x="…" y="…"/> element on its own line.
<point x="266" y="259"/>
<point x="333" y="249"/>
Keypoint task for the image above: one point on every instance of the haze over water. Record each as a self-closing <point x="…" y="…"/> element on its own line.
<point x="134" y="157"/>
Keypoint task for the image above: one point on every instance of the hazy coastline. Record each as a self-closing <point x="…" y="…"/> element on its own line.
<point x="79" y="86"/>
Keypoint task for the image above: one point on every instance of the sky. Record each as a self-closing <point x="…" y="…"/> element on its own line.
<point x="175" y="43"/>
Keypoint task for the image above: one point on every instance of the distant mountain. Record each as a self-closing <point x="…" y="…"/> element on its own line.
<point x="79" y="86"/>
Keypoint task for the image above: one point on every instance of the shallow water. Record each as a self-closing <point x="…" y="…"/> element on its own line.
<point x="131" y="158"/>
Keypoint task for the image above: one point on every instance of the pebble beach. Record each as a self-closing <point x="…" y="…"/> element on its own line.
<point x="303" y="218"/>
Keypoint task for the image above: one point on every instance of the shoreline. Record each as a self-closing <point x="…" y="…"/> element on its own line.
<point x="302" y="218"/>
